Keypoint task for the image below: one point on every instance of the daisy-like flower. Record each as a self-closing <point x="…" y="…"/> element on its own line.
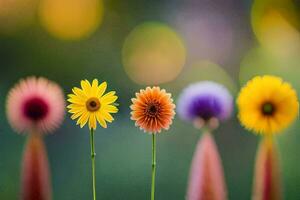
<point x="90" y="104"/>
<point x="205" y="101"/>
<point x="267" y="104"/>
<point x="35" y="104"/>
<point x="153" y="110"/>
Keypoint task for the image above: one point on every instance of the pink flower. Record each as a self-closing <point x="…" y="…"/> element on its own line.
<point x="206" y="178"/>
<point x="36" y="184"/>
<point x="35" y="104"/>
<point x="267" y="184"/>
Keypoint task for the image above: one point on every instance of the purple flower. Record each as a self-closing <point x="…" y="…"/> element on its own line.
<point x="205" y="100"/>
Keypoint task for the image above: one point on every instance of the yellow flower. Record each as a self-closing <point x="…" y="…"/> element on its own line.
<point x="267" y="104"/>
<point x="90" y="104"/>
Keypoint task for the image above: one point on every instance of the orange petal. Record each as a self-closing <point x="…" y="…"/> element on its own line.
<point x="35" y="171"/>
<point x="206" y="177"/>
<point x="267" y="184"/>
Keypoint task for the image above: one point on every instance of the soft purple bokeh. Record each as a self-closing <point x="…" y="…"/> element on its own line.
<point x="205" y="100"/>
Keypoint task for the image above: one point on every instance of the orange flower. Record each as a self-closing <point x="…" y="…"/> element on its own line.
<point x="153" y="109"/>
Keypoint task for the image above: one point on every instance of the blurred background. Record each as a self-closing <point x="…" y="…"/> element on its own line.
<point x="135" y="43"/>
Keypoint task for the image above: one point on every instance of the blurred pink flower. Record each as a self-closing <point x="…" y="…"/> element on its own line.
<point x="267" y="184"/>
<point x="206" y="177"/>
<point x="35" y="104"/>
<point x="35" y="183"/>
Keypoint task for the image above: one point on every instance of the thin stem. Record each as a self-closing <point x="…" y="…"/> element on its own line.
<point x="93" y="154"/>
<point x="153" y="165"/>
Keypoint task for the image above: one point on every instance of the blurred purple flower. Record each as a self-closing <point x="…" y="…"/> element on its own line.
<point x="205" y="100"/>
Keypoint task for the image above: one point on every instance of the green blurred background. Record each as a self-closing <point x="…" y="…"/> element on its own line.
<point x="225" y="41"/>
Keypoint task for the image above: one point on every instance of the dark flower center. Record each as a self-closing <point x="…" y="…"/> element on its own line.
<point x="205" y="107"/>
<point x="93" y="104"/>
<point x="153" y="109"/>
<point x="36" y="109"/>
<point x="268" y="108"/>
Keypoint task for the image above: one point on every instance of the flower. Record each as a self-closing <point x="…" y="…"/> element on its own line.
<point x="152" y="109"/>
<point x="206" y="177"/>
<point x="35" y="103"/>
<point x="205" y="100"/>
<point x="90" y="104"/>
<point x="267" y="104"/>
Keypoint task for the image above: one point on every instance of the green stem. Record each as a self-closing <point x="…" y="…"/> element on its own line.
<point x="93" y="154"/>
<point x="153" y="165"/>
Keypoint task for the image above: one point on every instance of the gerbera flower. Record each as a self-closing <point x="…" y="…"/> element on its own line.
<point x="267" y="104"/>
<point x="35" y="104"/>
<point x="204" y="101"/>
<point x="153" y="110"/>
<point x="90" y="104"/>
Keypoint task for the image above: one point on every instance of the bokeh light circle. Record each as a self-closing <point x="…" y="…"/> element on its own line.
<point x="276" y="26"/>
<point x="258" y="61"/>
<point x="203" y="71"/>
<point x="153" y="53"/>
<point x="208" y="35"/>
<point x="71" y="19"/>
<point x="16" y="14"/>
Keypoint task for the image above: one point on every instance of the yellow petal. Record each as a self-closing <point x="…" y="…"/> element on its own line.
<point x="76" y="100"/>
<point x="109" y="94"/>
<point x="78" y="92"/>
<point x="92" y="121"/>
<point x="101" y="121"/>
<point x="83" y="119"/>
<point x="108" y="99"/>
<point x="95" y="83"/>
<point x="110" y="109"/>
<point x="86" y="87"/>
<point x="107" y="116"/>
<point x="76" y="115"/>
<point x="102" y="87"/>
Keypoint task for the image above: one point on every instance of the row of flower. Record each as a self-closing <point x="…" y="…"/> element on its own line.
<point x="266" y="105"/>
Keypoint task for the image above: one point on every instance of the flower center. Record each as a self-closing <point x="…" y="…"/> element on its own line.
<point x="206" y="107"/>
<point x="268" y="108"/>
<point x="93" y="104"/>
<point x="153" y="109"/>
<point x="36" y="109"/>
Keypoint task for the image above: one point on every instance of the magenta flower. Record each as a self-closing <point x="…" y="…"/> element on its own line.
<point x="35" y="104"/>
<point x="205" y="100"/>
